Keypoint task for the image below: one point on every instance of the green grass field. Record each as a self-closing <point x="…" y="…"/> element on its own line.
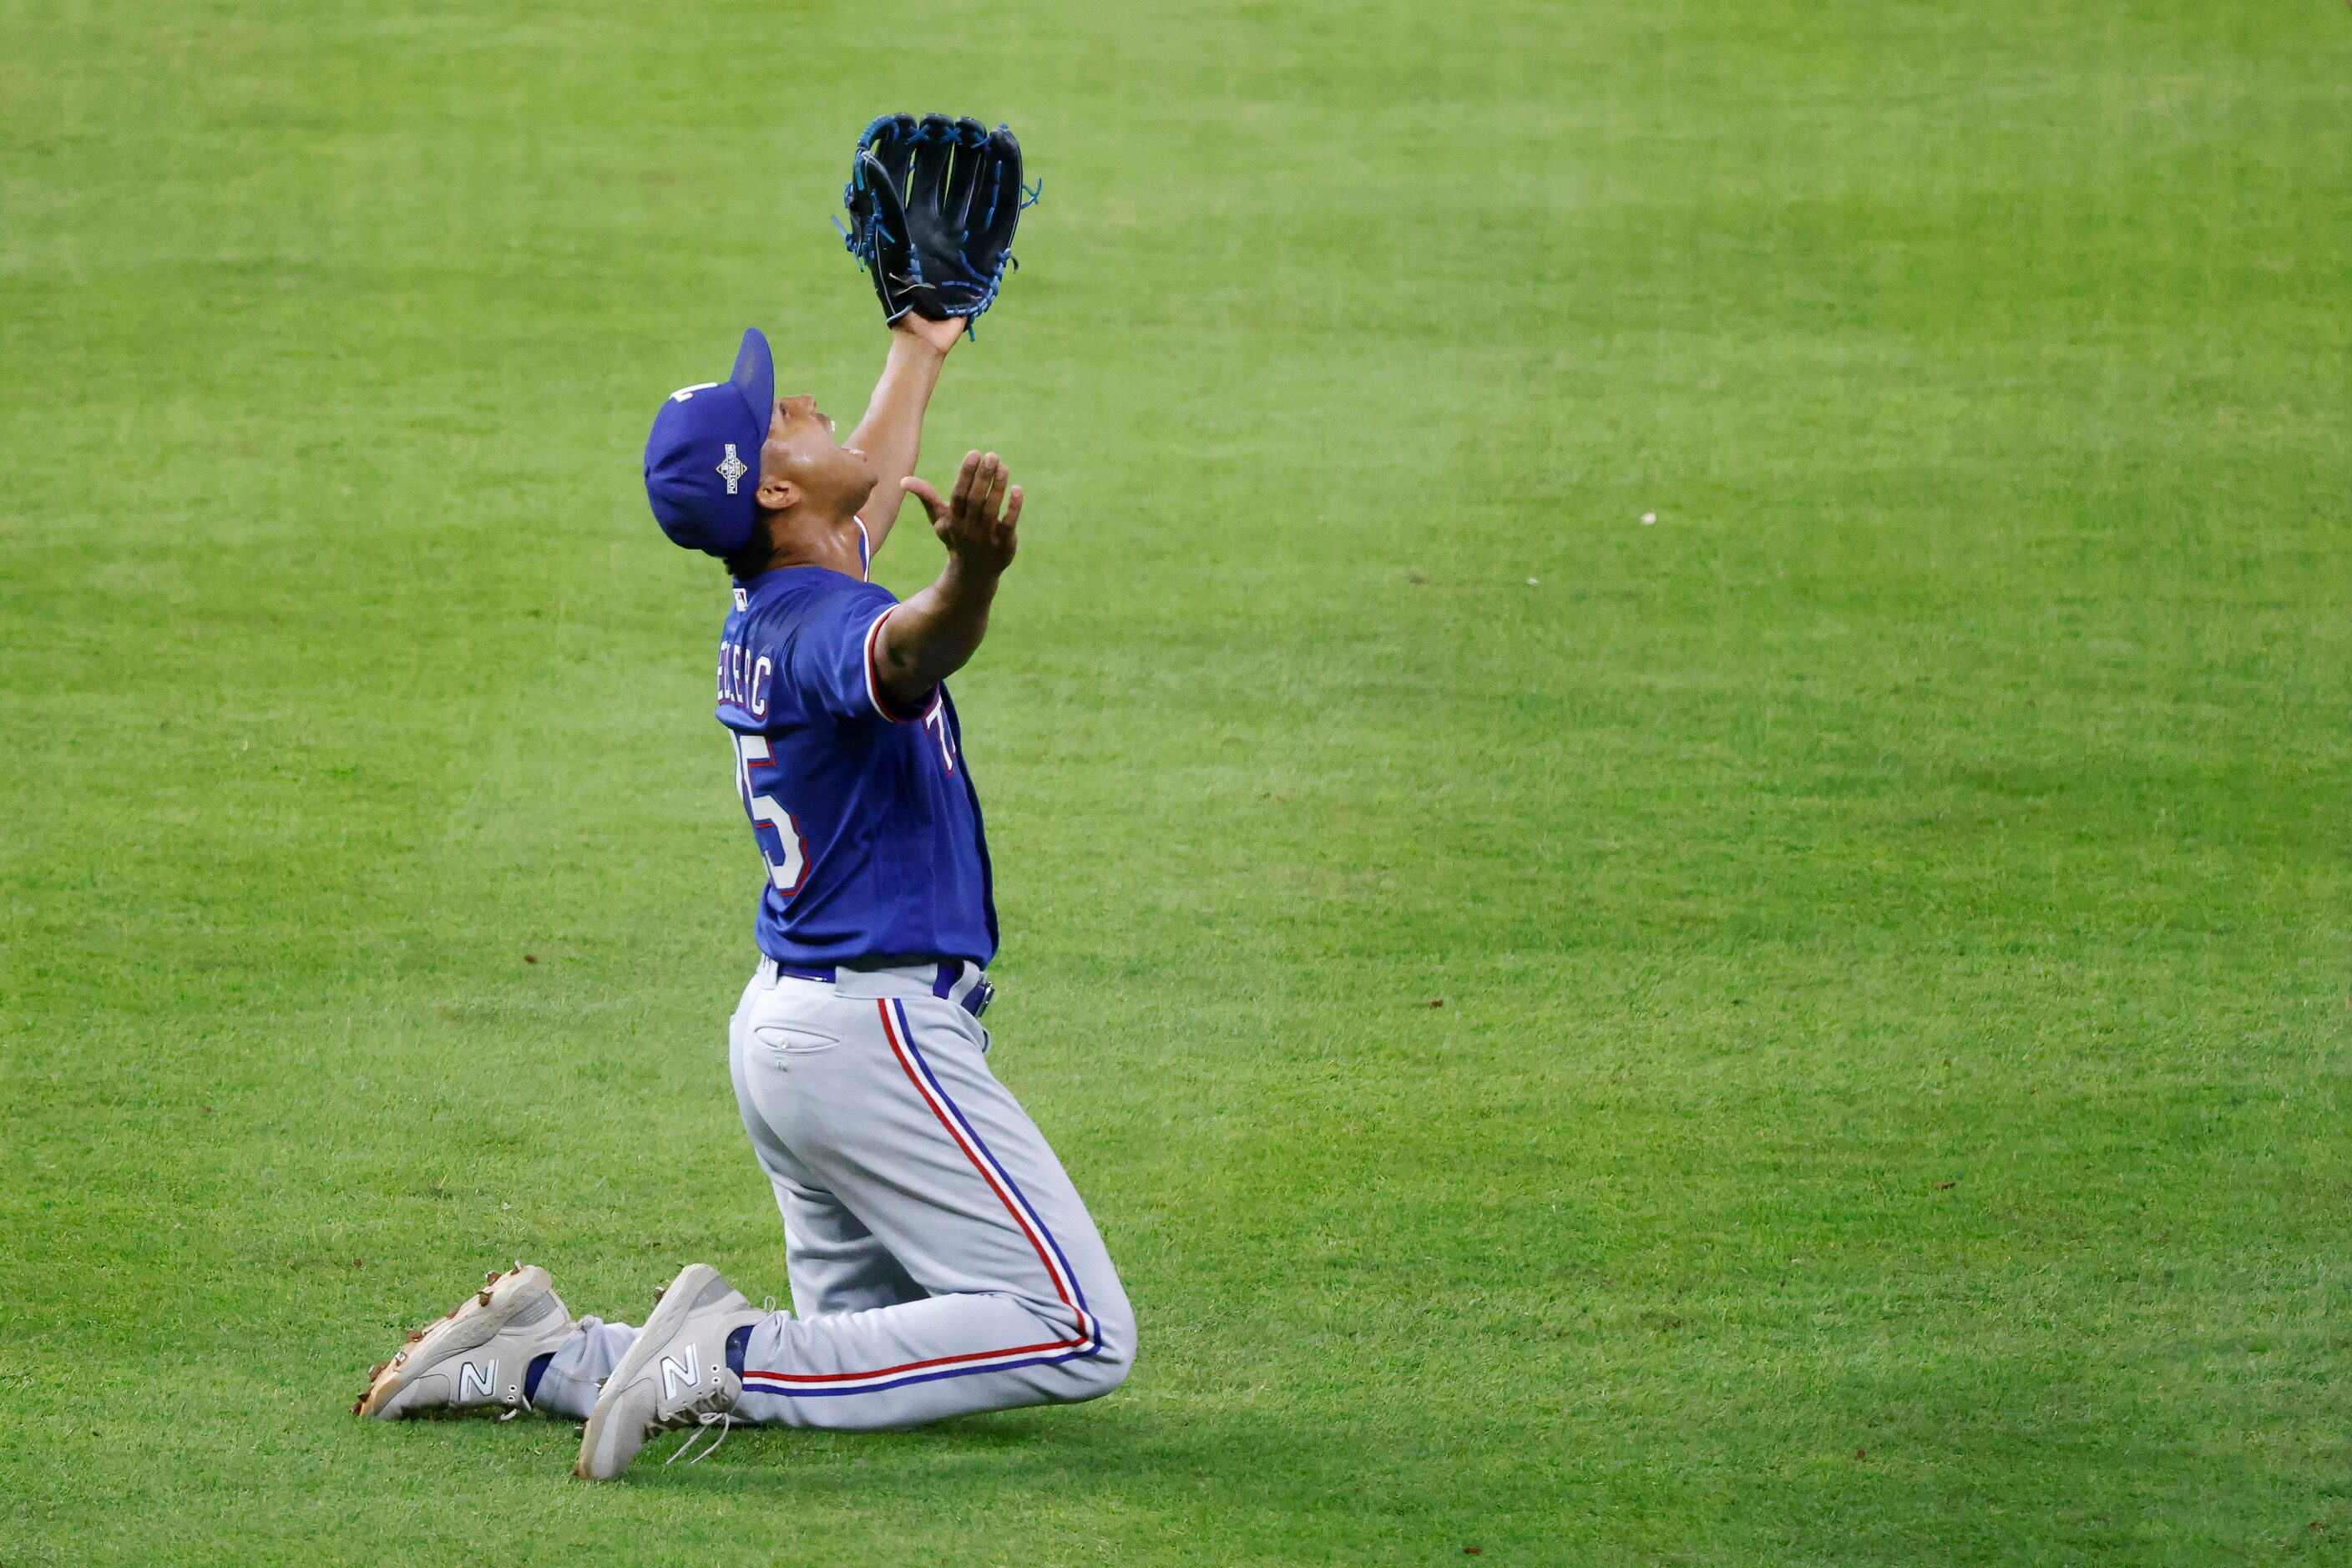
<point x="1892" y="916"/>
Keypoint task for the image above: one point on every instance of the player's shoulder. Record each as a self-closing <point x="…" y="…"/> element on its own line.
<point x="803" y="588"/>
<point x="790" y="595"/>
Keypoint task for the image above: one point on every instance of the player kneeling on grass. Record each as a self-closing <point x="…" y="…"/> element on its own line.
<point x="940" y="1261"/>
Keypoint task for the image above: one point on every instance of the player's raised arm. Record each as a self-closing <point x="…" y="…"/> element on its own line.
<point x="933" y="204"/>
<point x="930" y="636"/>
<point x="891" y="434"/>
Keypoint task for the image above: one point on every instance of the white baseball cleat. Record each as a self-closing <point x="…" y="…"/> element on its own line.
<point x="676" y="1374"/>
<point x="478" y="1354"/>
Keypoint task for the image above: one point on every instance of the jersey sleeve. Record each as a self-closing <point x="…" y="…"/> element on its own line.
<point x="831" y="663"/>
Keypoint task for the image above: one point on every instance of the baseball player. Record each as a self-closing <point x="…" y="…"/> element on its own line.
<point x="940" y="1261"/>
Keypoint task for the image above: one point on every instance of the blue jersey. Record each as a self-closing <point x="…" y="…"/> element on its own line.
<point x="865" y="817"/>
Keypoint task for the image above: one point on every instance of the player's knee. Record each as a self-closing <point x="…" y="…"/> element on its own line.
<point x="1094" y="1376"/>
<point x="1108" y="1366"/>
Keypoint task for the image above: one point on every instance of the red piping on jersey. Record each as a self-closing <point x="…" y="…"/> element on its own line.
<point x="873" y="681"/>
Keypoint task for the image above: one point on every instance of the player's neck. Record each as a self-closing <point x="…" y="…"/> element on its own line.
<point x="803" y="540"/>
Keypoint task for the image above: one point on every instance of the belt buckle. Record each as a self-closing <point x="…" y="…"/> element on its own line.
<point x="980" y="996"/>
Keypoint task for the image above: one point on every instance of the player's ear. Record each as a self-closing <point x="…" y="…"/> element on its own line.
<point x="777" y="493"/>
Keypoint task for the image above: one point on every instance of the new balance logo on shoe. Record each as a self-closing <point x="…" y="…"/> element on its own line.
<point x="473" y="1379"/>
<point x="676" y="1375"/>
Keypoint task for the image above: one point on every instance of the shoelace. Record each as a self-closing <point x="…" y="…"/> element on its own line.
<point x="722" y="1419"/>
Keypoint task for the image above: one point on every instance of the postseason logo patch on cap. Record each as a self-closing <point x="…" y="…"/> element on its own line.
<point x="696" y="464"/>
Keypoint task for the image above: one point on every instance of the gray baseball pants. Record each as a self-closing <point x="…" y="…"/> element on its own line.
<point x="940" y="1261"/>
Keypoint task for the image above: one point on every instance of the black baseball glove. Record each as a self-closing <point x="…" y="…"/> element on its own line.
<point x="932" y="206"/>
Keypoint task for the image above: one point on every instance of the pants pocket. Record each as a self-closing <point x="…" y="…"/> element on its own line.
<point x="792" y="1039"/>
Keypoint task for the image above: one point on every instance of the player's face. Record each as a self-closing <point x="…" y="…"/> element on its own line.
<point x="801" y="449"/>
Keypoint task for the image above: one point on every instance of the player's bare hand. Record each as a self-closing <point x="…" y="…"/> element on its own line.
<point x="940" y="335"/>
<point x="977" y="522"/>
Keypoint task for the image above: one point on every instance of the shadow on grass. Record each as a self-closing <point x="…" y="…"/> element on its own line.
<point x="1060" y="1456"/>
<point x="1110" y="1446"/>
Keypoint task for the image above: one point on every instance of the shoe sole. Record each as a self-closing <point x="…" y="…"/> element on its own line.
<point x="676" y="1302"/>
<point x="474" y="1322"/>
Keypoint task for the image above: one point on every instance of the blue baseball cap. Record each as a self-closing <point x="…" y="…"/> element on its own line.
<point x="702" y="460"/>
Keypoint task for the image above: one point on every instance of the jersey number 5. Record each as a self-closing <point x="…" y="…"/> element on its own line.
<point x="781" y="846"/>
